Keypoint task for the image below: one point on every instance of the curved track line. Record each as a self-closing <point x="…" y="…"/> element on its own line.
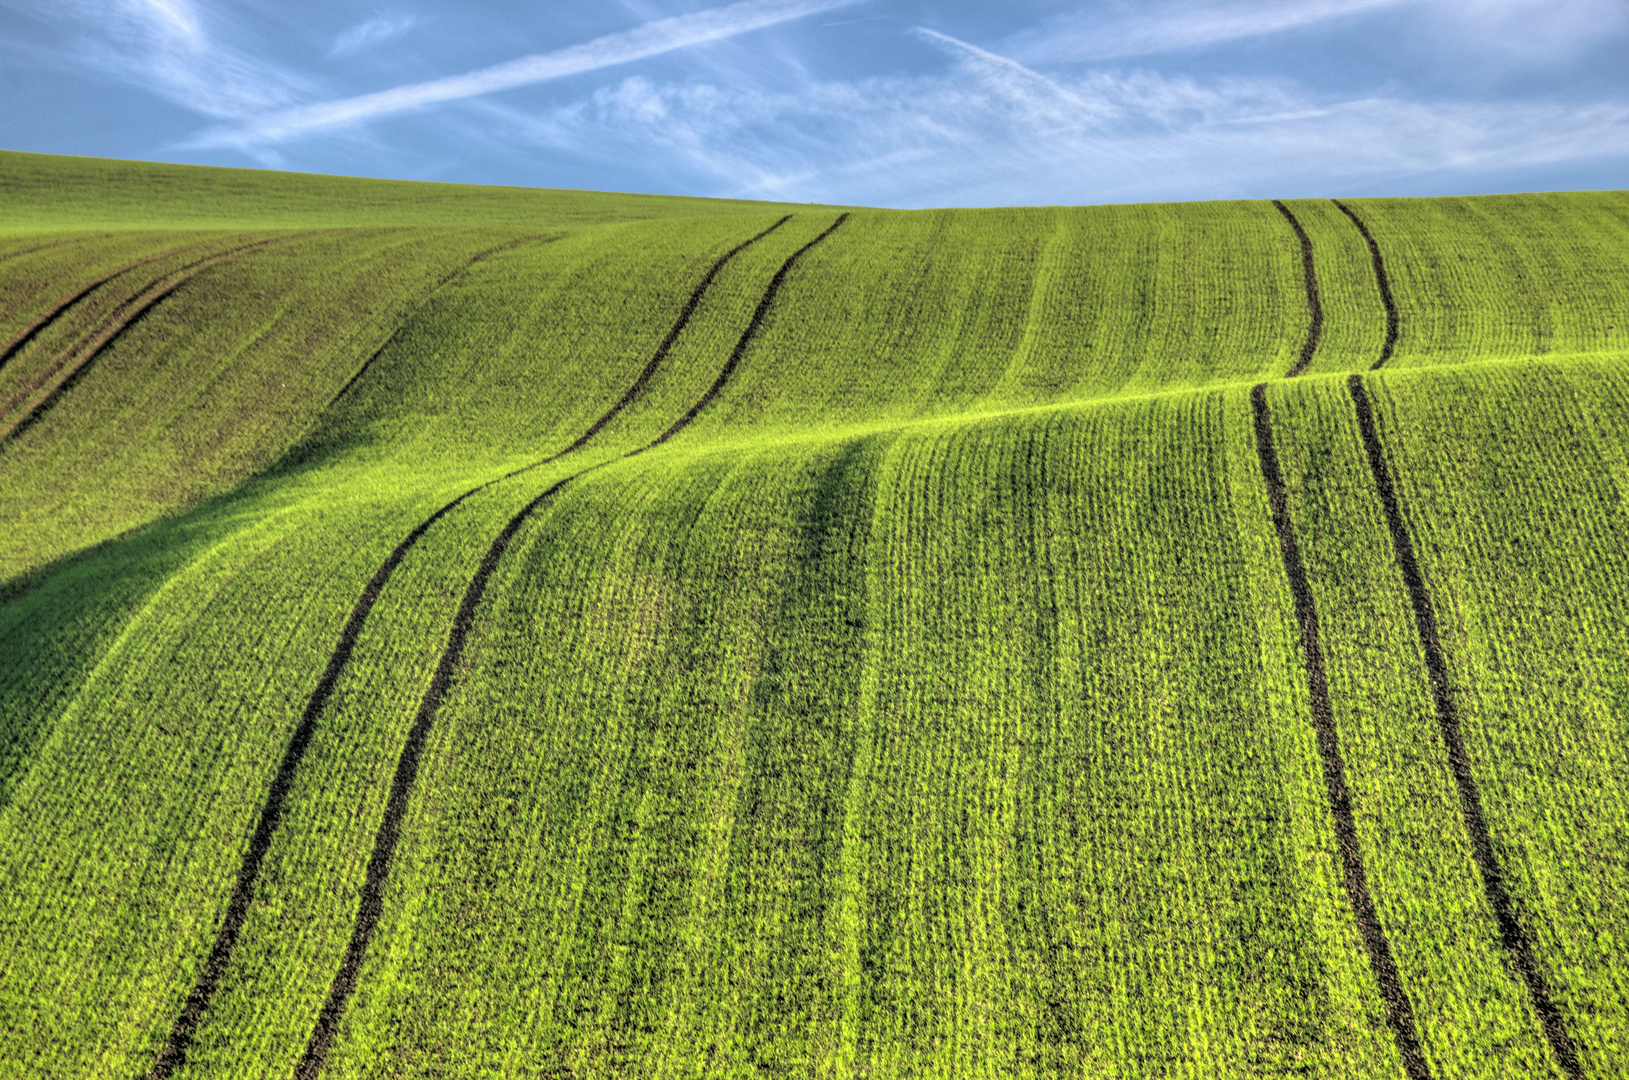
<point x="445" y="279"/>
<point x="50" y="314"/>
<point x="1511" y="931"/>
<point x="1399" y="1013"/>
<point x="174" y="1053"/>
<point x="10" y="255"/>
<point x="1393" y="320"/>
<point x="746" y="338"/>
<point x="74" y="360"/>
<point x="401" y="788"/>
<point x="1315" y="332"/>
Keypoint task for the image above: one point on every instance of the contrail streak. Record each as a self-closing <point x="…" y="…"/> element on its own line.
<point x="651" y="39"/>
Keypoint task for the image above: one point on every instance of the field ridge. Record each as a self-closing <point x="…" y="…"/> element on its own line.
<point x="446" y="279"/>
<point x="1383" y="281"/>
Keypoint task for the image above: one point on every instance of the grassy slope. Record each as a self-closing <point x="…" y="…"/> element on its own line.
<point x="45" y="193"/>
<point x="933" y="702"/>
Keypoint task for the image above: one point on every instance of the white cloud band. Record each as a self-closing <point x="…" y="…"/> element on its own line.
<point x="651" y="39"/>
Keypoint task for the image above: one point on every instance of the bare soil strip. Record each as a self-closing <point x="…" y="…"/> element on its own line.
<point x="52" y="313"/>
<point x="41" y="391"/>
<point x="1470" y="799"/>
<point x="174" y="1053"/>
<point x="1399" y="1012"/>
<point x="401" y="787"/>
<point x="1393" y="321"/>
<point x="1315" y="332"/>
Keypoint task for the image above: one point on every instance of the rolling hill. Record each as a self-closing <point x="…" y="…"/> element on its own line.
<point x="490" y="632"/>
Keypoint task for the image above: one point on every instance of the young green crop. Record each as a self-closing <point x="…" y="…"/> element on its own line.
<point x="1519" y="540"/>
<point x="45" y="193"/>
<point x="933" y="701"/>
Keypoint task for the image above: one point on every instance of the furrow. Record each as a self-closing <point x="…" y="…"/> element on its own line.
<point x="1399" y="1012"/>
<point x="746" y="338"/>
<point x="1511" y="931"/>
<point x="1315" y="331"/>
<point x="52" y="313"/>
<point x="445" y="280"/>
<point x="371" y="906"/>
<point x="49" y="384"/>
<point x="1393" y="321"/>
<point x="10" y="255"/>
<point x="174" y="1053"/>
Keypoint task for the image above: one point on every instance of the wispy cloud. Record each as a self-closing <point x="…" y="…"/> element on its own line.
<point x="166" y="46"/>
<point x="1542" y="28"/>
<point x="651" y="39"/>
<point x="992" y="132"/>
<point x="1046" y="99"/>
<point x="1154" y="30"/>
<point x="375" y="31"/>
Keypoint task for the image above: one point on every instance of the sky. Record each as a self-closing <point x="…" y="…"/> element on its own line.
<point x="904" y="103"/>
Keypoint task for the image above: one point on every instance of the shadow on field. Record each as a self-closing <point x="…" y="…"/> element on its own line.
<point x="58" y="620"/>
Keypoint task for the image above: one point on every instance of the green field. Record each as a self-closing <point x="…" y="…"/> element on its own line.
<point x="479" y="632"/>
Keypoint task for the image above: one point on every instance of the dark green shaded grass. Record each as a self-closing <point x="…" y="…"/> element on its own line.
<point x="45" y="192"/>
<point x="932" y="704"/>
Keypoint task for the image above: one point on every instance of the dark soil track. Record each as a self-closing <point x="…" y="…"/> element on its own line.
<point x="1315" y="331"/>
<point x="751" y="332"/>
<point x="446" y="279"/>
<point x="55" y="311"/>
<point x="1511" y="931"/>
<point x="1393" y="321"/>
<point x="378" y="872"/>
<point x="1399" y="1012"/>
<point x="72" y="362"/>
<point x="174" y="1053"/>
<point x="10" y="255"/>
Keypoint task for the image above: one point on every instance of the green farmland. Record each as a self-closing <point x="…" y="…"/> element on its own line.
<point x="477" y="632"/>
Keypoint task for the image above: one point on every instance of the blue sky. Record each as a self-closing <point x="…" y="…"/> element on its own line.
<point x="882" y="102"/>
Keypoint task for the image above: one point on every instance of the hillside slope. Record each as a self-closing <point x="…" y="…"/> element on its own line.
<point x="504" y="633"/>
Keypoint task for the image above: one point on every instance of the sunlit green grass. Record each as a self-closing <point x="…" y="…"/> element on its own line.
<point x="933" y="704"/>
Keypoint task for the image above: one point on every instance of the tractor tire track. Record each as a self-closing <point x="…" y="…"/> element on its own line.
<point x="174" y="1052"/>
<point x="1315" y="332"/>
<point x="10" y="255"/>
<point x="444" y="280"/>
<point x="1511" y="931"/>
<point x="1399" y="1012"/>
<point x="746" y="338"/>
<point x="371" y="907"/>
<point x="45" y="388"/>
<point x="51" y="314"/>
<point x="1393" y="320"/>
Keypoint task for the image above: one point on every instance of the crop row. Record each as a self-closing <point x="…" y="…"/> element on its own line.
<point x="322" y="533"/>
<point x="849" y="731"/>
<point x="951" y="311"/>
